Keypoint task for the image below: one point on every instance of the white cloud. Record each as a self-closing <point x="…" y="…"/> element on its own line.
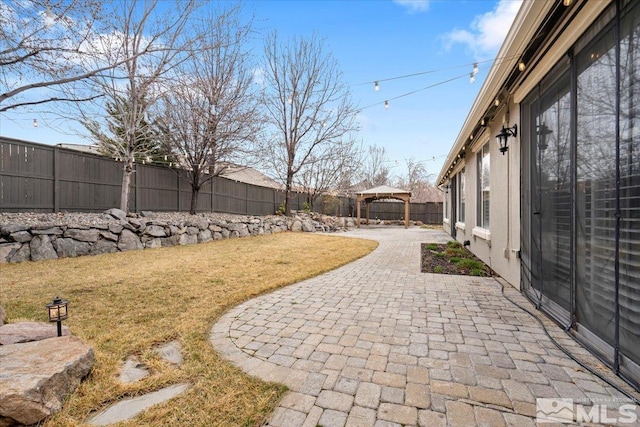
<point x="487" y="31"/>
<point x="414" y="6"/>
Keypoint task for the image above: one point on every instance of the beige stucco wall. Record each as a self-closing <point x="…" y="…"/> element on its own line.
<point x="500" y="249"/>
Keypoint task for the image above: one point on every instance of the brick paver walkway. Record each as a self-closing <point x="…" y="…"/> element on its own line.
<point x="378" y="343"/>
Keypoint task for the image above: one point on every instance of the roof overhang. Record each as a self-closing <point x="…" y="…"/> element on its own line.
<point x="533" y="20"/>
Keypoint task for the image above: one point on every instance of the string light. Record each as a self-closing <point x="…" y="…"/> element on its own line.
<point x="521" y="66"/>
<point x="386" y="103"/>
<point x="35" y="123"/>
<point x="474" y="64"/>
<point x="471" y="76"/>
<point x="567" y="2"/>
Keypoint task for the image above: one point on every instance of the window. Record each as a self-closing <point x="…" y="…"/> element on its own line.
<point x="461" y="196"/>
<point x="446" y="204"/>
<point x="483" y="187"/>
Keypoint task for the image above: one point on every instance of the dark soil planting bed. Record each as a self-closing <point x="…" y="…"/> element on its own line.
<point x="451" y="258"/>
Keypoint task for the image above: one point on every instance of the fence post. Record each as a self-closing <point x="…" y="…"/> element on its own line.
<point x="136" y="199"/>
<point x="178" y="176"/>
<point x="56" y="179"/>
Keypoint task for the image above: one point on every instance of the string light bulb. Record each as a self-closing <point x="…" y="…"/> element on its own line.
<point x="35" y="123"/>
<point x="567" y="2"/>
<point x="386" y="105"/>
<point x="376" y="86"/>
<point x="521" y="66"/>
<point x="496" y="102"/>
<point x="475" y="68"/>
<point x="472" y="77"/>
<point x="482" y="122"/>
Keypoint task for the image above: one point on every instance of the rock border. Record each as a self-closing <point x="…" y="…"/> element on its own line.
<point x="115" y="231"/>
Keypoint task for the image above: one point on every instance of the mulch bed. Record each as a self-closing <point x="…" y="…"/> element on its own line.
<point x="440" y="262"/>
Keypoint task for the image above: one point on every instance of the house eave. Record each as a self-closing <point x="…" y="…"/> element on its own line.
<point x="494" y="86"/>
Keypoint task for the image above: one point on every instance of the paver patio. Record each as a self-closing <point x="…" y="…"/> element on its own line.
<point x="378" y="343"/>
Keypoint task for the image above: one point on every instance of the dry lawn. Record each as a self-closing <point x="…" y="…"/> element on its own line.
<point x="123" y="304"/>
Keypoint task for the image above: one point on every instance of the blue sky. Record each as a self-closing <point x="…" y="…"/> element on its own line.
<point x="375" y="40"/>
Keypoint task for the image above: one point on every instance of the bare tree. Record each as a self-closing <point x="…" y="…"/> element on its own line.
<point x="419" y="182"/>
<point x="47" y="45"/>
<point x="329" y="169"/>
<point x="211" y="114"/>
<point x="307" y="105"/>
<point x="148" y="44"/>
<point x="375" y="169"/>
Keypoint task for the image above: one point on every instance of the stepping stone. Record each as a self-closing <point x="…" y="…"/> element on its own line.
<point x="171" y="352"/>
<point x="129" y="408"/>
<point x="132" y="370"/>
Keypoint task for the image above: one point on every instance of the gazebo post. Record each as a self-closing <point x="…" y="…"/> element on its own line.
<point x="368" y="202"/>
<point x="358" y="203"/>
<point x="406" y="213"/>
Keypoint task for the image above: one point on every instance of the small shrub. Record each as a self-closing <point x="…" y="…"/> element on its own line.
<point x="438" y="255"/>
<point x="437" y="269"/>
<point x="281" y="210"/>
<point x="454" y="260"/>
<point x="470" y="263"/>
<point x="306" y="207"/>
<point x="454" y="244"/>
<point x="459" y="252"/>
<point x="477" y="272"/>
<point x="432" y="247"/>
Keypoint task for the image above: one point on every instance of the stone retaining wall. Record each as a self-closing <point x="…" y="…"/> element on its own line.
<point x="117" y="232"/>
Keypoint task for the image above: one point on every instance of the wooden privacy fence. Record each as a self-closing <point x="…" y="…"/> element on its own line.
<point x="43" y="178"/>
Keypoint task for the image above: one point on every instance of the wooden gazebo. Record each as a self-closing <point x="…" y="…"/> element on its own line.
<point x="382" y="192"/>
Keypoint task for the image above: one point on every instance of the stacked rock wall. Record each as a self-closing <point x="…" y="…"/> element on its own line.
<point x="114" y="231"/>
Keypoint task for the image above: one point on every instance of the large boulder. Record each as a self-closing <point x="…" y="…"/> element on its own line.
<point x="67" y="247"/>
<point x="129" y="241"/>
<point x="117" y="213"/>
<point x="37" y="376"/>
<point x="8" y="250"/>
<point x="21" y="332"/>
<point x="90" y="235"/>
<point x="41" y="248"/>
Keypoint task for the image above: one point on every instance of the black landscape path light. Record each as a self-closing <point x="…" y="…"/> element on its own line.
<point x="58" y="312"/>
<point x="504" y="135"/>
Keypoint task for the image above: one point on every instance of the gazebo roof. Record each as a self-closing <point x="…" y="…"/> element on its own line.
<point x="383" y="190"/>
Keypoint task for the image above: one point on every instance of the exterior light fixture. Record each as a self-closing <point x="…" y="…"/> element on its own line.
<point x="58" y="312"/>
<point x="376" y="86"/>
<point x="386" y="105"/>
<point x="542" y="131"/>
<point x="472" y="77"/>
<point x="504" y="135"/>
<point x="521" y="66"/>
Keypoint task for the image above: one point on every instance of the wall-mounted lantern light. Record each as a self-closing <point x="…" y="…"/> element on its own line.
<point x="504" y="135"/>
<point x="542" y="131"/>
<point x="58" y="312"/>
